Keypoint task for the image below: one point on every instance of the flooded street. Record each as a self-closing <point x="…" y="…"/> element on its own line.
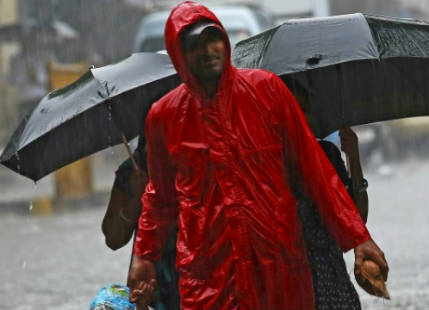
<point x="398" y="221"/>
<point x="59" y="262"/>
<point x="56" y="262"/>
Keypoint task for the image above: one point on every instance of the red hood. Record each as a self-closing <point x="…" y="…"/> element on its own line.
<point x="183" y="15"/>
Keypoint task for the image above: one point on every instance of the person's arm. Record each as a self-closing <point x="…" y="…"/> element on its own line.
<point x="320" y="180"/>
<point x="159" y="212"/>
<point x="349" y="145"/>
<point x="124" y="207"/>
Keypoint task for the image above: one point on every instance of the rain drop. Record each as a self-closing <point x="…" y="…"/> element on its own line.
<point x="31" y="206"/>
<point x="110" y="113"/>
<point x="18" y="162"/>
<point x="24" y="264"/>
<point x="109" y="107"/>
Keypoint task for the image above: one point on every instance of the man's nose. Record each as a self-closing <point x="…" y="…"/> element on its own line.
<point x="206" y="48"/>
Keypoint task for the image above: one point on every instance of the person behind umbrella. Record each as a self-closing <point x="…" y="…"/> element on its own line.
<point x="332" y="286"/>
<point x="353" y="180"/>
<point x="220" y="148"/>
<point x="120" y="221"/>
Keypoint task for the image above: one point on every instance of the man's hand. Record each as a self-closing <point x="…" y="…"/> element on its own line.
<point x="142" y="282"/>
<point x="369" y="250"/>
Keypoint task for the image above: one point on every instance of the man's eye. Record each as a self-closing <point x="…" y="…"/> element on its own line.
<point x="191" y="44"/>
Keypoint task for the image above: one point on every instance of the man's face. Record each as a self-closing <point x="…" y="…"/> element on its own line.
<point x="205" y="55"/>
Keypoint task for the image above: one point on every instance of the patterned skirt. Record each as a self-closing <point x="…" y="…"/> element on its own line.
<point x="332" y="286"/>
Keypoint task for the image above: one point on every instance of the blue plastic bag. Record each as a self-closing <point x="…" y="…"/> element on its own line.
<point x="112" y="297"/>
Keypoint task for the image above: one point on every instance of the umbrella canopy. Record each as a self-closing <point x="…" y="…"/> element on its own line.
<point x="354" y="69"/>
<point x="89" y="114"/>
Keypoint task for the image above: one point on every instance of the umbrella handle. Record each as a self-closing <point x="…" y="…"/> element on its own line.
<point x="125" y="141"/>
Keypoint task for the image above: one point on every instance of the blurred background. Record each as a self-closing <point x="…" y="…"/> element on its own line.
<point x="53" y="252"/>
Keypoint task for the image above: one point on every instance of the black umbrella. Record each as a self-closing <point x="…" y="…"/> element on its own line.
<point x="89" y="115"/>
<point x="354" y="69"/>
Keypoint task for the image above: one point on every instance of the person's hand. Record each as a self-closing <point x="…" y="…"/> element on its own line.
<point x="349" y="141"/>
<point x="370" y="250"/>
<point x="142" y="282"/>
<point x="143" y="294"/>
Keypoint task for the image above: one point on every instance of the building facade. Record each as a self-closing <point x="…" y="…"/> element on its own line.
<point x="8" y="15"/>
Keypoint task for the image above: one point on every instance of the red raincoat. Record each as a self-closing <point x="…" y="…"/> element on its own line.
<point x="218" y="168"/>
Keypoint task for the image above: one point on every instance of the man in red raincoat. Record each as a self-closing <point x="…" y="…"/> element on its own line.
<point x="223" y="148"/>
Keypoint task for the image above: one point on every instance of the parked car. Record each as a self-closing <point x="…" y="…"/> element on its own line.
<point x="240" y="22"/>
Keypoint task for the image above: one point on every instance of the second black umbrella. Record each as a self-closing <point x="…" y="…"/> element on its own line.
<point x="89" y="114"/>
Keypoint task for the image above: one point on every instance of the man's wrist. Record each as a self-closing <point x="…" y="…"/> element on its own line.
<point x="361" y="186"/>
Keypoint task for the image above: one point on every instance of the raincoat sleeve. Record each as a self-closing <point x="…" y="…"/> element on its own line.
<point x="159" y="200"/>
<point x="315" y="173"/>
